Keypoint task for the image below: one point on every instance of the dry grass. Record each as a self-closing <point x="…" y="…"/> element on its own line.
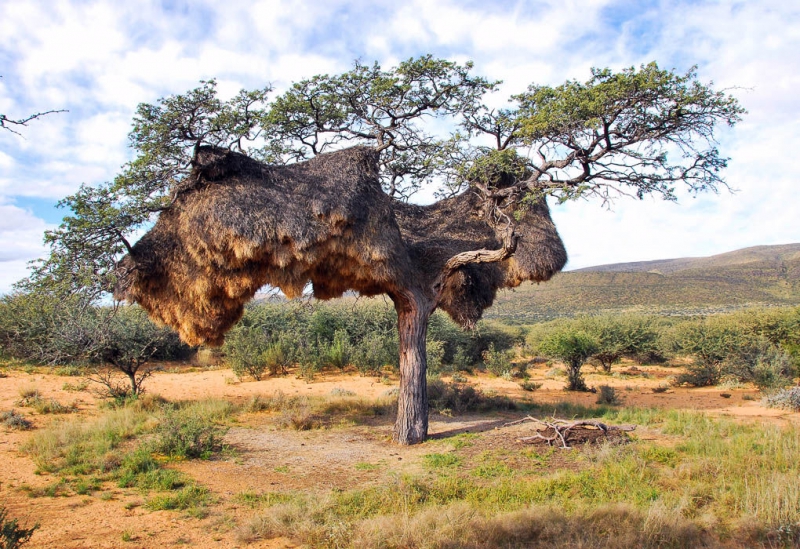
<point x="724" y="481"/>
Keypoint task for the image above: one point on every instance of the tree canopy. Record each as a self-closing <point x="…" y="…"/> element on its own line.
<point x="639" y="131"/>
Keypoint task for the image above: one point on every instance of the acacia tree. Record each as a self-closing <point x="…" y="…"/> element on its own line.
<point x="574" y="347"/>
<point x="635" y="132"/>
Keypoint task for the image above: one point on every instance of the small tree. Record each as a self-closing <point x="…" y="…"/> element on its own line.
<point x="620" y="336"/>
<point x="126" y="343"/>
<point x="572" y="347"/>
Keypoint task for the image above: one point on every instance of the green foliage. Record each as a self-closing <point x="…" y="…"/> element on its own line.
<point x="574" y="347"/>
<point x="376" y="351"/>
<point x="340" y="350"/>
<point x="46" y="328"/>
<point x="128" y="341"/>
<point x="623" y="118"/>
<point x="497" y="362"/>
<point x="435" y="354"/>
<point x="185" y="436"/>
<point x="617" y="336"/>
<point x="530" y="386"/>
<point x="247" y="351"/>
<point x="279" y="355"/>
<point x="190" y="498"/>
<point x="12" y="534"/>
<point x="14" y="420"/>
<point x="729" y="345"/>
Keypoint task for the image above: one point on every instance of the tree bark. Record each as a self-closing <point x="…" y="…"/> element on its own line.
<point x="413" y="314"/>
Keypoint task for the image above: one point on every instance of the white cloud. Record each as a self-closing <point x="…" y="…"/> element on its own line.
<point x="20" y="241"/>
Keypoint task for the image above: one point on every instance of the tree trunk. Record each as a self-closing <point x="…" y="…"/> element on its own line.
<point x="132" y="377"/>
<point x="413" y="314"/>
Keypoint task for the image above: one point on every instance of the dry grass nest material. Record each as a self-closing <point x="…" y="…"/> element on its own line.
<point x="237" y="224"/>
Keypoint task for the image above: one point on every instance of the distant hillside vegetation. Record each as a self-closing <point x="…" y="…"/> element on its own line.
<point x="758" y="276"/>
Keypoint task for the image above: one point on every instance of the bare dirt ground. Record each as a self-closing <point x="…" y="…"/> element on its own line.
<point x="267" y="459"/>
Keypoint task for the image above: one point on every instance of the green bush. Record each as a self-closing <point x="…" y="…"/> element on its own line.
<point x="279" y="355"/>
<point x="45" y="329"/>
<point x="246" y="350"/>
<point x="340" y="351"/>
<point x="53" y="330"/>
<point x="730" y="345"/>
<point x="573" y="347"/>
<point x="186" y="436"/>
<point x="435" y="352"/>
<point x="497" y="362"/>
<point x="376" y="351"/>
<point x="701" y="374"/>
<point x="14" y="420"/>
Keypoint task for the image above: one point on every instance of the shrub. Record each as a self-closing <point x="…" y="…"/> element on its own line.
<point x="726" y="346"/>
<point x="374" y="352"/>
<point x="435" y="353"/>
<point x="497" y="362"/>
<point x="15" y="420"/>
<point x="784" y="398"/>
<point x="246" y="349"/>
<point x="574" y="348"/>
<point x="185" y="436"/>
<point x="340" y="351"/>
<point x="530" y="385"/>
<point x="608" y="395"/>
<point x="45" y="329"/>
<point x="279" y="355"/>
<point x="460" y="398"/>
<point x="701" y="374"/>
<point x="12" y="535"/>
<point x="765" y="364"/>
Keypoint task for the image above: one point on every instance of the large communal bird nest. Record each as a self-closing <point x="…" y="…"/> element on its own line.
<point x="236" y="224"/>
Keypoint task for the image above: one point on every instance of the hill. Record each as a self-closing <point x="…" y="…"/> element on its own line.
<point x="757" y="276"/>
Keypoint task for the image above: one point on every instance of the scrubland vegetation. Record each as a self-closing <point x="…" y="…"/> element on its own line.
<point x="701" y="482"/>
<point x="684" y="479"/>
<point x="761" y="346"/>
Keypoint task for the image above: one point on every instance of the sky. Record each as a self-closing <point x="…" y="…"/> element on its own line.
<point x="99" y="59"/>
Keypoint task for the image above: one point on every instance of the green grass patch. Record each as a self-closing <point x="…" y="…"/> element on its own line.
<point x="441" y="461"/>
<point x="191" y="497"/>
<point x="367" y="466"/>
<point x="258" y="500"/>
<point x="462" y="440"/>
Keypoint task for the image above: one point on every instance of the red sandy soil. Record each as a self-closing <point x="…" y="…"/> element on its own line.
<point x="268" y="460"/>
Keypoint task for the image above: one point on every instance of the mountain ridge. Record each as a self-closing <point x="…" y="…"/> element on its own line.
<point x="764" y="276"/>
<point x="735" y="257"/>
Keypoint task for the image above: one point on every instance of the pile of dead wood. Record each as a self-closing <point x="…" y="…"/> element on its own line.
<point x="566" y="434"/>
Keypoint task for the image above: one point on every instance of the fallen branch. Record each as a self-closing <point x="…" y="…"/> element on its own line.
<point x="561" y="429"/>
